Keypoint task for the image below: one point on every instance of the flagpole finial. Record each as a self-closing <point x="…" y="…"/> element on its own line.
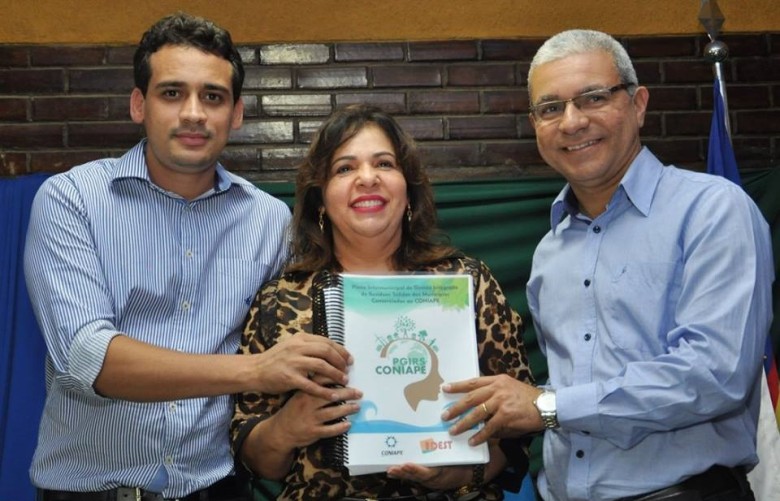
<point x="716" y="51"/>
<point x="711" y="18"/>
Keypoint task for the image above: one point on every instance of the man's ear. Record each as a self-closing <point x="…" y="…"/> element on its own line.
<point x="238" y="114"/>
<point x="641" y="98"/>
<point x="137" y="106"/>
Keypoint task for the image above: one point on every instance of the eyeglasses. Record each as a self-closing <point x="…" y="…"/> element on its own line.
<point x="551" y="111"/>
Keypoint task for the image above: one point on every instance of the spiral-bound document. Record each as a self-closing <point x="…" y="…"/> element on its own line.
<point x="408" y="334"/>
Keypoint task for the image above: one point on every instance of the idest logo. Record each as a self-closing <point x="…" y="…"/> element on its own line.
<point x="431" y="445"/>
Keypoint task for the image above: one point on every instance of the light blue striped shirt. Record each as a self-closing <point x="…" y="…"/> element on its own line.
<point x="107" y="252"/>
<point x="653" y="317"/>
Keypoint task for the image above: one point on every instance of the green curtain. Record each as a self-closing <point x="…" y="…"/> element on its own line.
<point x="500" y="222"/>
<point x="764" y="187"/>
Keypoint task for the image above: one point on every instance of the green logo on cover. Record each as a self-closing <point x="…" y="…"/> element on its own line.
<point x="409" y="351"/>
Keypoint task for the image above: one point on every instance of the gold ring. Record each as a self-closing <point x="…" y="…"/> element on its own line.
<point x="484" y="408"/>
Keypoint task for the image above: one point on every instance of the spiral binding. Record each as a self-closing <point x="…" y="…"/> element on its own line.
<point x="329" y="321"/>
<point x="321" y="317"/>
<point x="333" y="298"/>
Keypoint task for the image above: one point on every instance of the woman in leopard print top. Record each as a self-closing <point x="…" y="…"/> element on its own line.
<point x="363" y="204"/>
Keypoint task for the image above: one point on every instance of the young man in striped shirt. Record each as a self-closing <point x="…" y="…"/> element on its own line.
<point x="141" y="269"/>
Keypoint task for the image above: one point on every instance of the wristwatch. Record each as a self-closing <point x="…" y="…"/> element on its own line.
<point x="545" y="404"/>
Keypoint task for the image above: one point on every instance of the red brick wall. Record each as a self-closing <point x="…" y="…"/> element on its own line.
<point x="464" y="101"/>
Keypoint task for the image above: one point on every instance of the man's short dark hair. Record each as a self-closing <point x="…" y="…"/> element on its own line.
<point x="189" y="31"/>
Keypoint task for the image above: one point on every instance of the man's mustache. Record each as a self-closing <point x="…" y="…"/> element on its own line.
<point x="187" y="131"/>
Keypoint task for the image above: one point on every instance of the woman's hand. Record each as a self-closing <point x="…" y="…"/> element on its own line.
<point x="440" y="478"/>
<point x="305" y="419"/>
<point x="269" y="450"/>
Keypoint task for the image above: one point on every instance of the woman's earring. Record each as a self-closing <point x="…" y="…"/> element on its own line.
<point x="322" y="221"/>
<point x="409" y="212"/>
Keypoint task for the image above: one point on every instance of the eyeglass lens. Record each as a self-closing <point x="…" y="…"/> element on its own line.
<point x="587" y="101"/>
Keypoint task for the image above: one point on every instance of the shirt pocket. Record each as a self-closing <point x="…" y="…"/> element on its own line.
<point x="639" y="305"/>
<point x="239" y="281"/>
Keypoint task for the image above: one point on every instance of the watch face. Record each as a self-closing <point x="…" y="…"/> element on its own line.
<point x="546" y="402"/>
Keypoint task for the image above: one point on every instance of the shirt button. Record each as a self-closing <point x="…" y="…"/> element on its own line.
<point x="168" y="459"/>
<point x="185" y="305"/>
<point x="587" y="337"/>
<point x="597" y="229"/>
<point x="580" y="454"/>
<point x="188" y="253"/>
<point x="587" y="283"/>
<point x="172" y="407"/>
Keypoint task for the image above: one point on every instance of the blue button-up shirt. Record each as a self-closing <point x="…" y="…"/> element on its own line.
<point x="110" y="252"/>
<point x="653" y="318"/>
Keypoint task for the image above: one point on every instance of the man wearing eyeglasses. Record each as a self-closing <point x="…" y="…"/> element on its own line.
<point x="651" y="299"/>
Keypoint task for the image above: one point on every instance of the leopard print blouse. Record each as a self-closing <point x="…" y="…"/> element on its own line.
<point x="284" y="308"/>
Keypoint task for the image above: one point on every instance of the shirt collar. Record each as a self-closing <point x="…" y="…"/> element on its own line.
<point x="133" y="165"/>
<point x="641" y="180"/>
<point x="639" y="184"/>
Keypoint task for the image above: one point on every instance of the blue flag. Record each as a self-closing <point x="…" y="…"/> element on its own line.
<point x="721" y="162"/>
<point x="720" y="154"/>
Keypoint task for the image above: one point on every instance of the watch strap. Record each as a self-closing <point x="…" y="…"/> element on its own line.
<point x="550" y="420"/>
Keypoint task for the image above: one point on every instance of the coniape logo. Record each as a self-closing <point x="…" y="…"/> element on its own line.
<point x="411" y="352"/>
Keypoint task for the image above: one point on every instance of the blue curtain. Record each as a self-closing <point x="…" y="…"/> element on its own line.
<point x="21" y="345"/>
